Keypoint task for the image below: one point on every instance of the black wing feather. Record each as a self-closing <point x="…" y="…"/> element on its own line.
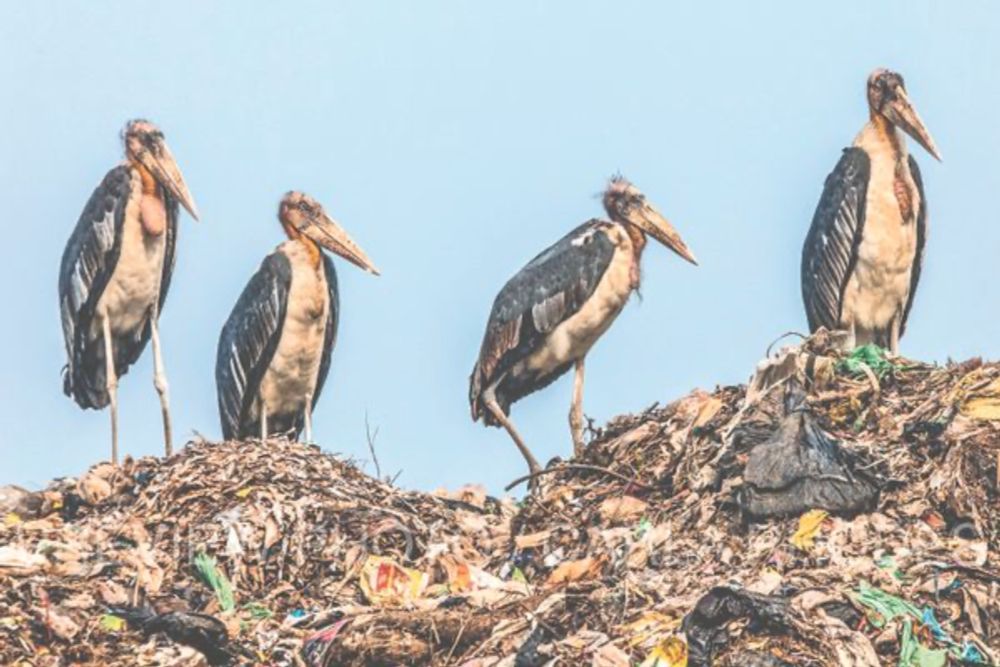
<point x="547" y="291"/>
<point x="918" y="259"/>
<point x="172" y="208"/>
<point x="332" y="320"/>
<point x="248" y="341"/>
<point x="87" y="263"/>
<point x="830" y="252"/>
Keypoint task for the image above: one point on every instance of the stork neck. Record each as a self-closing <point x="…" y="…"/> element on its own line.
<point x="152" y="209"/>
<point x="887" y="133"/>
<point x="638" y="238"/>
<point x="149" y="184"/>
<point x="312" y="248"/>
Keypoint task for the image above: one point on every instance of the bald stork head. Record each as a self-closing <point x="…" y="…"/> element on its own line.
<point x="887" y="98"/>
<point x="301" y="214"/>
<point x="145" y="145"/>
<point x="625" y="204"/>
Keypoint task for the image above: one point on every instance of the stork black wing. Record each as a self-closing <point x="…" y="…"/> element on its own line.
<point x="248" y="341"/>
<point x="831" y="248"/>
<point x="547" y="291"/>
<point x="87" y="264"/>
<point x="172" y="208"/>
<point x="332" y="318"/>
<point x="918" y="258"/>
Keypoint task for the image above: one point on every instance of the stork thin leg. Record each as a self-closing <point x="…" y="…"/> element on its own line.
<point x="491" y="404"/>
<point x="162" y="388"/>
<point x="111" y="383"/>
<point x="894" y="336"/>
<point x="309" y="421"/>
<point x="576" y="410"/>
<point x="263" y="422"/>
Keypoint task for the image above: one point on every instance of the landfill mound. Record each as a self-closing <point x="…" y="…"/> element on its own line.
<point x="836" y="510"/>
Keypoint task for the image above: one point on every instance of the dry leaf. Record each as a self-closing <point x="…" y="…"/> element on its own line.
<point x="531" y="540"/>
<point x="622" y="509"/>
<point x="575" y="570"/>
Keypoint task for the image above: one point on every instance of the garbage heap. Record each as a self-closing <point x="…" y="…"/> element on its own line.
<point x="836" y="510"/>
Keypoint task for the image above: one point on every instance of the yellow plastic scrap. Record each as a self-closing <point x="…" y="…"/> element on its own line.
<point x="244" y="492"/>
<point x="983" y="403"/>
<point x="11" y="519"/>
<point x="112" y="623"/>
<point x="809" y="525"/>
<point x="385" y="582"/>
<point x="459" y="575"/>
<point x="651" y="624"/>
<point x="670" y="653"/>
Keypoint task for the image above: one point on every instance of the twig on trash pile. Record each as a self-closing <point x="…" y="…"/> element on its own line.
<point x="780" y="338"/>
<point x="370" y="437"/>
<point x="582" y="467"/>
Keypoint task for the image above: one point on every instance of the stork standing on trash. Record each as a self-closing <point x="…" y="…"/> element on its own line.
<point x="116" y="271"/>
<point x="275" y="349"/>
<point x="862" y="257"/>
<point x="547" y="317"/>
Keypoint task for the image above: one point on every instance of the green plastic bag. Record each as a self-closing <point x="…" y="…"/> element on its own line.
<point x="214" y="577"/>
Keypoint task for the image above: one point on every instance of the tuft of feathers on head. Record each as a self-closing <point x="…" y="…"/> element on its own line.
<point x="297" y="201"/>
<point x="140" y="135"/>
<point x="882" y="85"/>
<point x="620" y="195"/>
<point x="618" y="183"/>
<point x="140" y="126"/>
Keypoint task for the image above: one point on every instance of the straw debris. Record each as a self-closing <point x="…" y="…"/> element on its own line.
<point x="827" y="513"/>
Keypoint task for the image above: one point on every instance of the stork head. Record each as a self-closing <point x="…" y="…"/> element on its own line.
<point x="887" y="98"/>
<point x="144" y="144"/>
<point x="625" y="204"/>
<point x="301" y="214"/>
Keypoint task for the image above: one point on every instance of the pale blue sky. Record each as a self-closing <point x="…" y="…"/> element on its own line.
<point x="455" y="140"/>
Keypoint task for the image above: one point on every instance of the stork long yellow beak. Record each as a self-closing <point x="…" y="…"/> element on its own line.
<point x="904" y="116"/>
<point x="327" y="232"/>
<point x="654" y="223"/>
<point x="161" y="163"/>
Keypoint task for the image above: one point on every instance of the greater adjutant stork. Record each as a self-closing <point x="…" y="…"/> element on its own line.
<point x="862" y="257"/>
<point x="547" y="317"/>
<point x="275" y="348"/>
<point x="115" y="273"/>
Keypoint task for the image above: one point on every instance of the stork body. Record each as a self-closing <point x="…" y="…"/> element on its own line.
<point x="548" y="316"/>
<point x="275" y="349"/>
<point x="115" y="273"/>
<point x="296" y="374"/>
<point x="862" y="258"/>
